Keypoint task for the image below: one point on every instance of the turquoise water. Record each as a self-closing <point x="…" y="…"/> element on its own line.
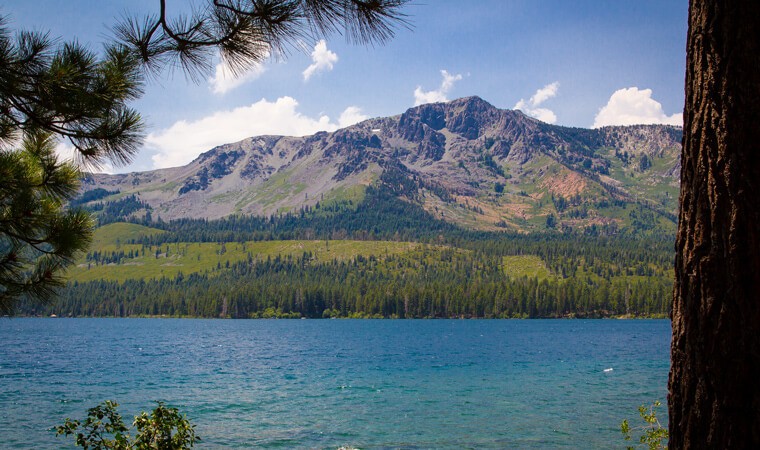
<point x="327" y="383"/>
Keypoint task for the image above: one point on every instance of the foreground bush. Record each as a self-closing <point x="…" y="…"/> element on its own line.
<point x="163" y="429"/>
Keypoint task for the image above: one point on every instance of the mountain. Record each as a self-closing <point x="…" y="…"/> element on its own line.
<point x="465" y="162"/>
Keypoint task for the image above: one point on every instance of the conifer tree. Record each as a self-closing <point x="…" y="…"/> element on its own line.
<point x="714" y="397"/>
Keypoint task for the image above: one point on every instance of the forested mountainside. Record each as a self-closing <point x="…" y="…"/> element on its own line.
<point x="405" y="265"/>
<point x="452" y="209"/>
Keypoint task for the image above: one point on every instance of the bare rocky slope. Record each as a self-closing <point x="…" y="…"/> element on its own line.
<point x="464" y="161"/>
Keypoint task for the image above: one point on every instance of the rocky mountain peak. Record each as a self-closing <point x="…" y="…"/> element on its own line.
<point x="466" y="160"/>
<point x="464" y="116"/>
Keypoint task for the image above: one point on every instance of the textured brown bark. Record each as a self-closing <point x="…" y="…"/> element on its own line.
<point x="714" y="386"/>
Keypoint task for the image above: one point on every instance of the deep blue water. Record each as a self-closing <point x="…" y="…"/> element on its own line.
<point x="327" y="383"/>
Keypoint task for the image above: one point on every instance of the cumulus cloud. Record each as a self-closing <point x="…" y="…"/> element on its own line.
<point x="439" y="95"/>
<point x="322" y="60"/>
<point x="532" y="107"/>
<point x="224" y="80"/>
<point x="632" y="106"/>
<point x="350" y="116"/>
<point x="185" y="140"/>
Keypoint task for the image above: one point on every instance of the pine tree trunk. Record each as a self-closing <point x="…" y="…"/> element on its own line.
<point x="714" y="399"/>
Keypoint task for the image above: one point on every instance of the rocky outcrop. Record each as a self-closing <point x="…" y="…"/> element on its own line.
<point x="464" y="149"/>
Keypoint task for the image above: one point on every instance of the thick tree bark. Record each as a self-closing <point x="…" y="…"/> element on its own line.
<point x="714" y="399"/>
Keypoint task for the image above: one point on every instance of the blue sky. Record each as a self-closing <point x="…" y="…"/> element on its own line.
<point x="577" y="63"/>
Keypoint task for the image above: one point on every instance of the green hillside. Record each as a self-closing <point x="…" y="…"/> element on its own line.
<point x="114" y="255"/>
<point x="133" y="270"/>
<point x="121" y="233"/>
<point x="120" y="262"/>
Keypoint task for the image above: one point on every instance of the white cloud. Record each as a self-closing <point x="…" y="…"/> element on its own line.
<point x="543" y="114"/>
<point x="421" y="97"/>
<point x="322" y="60"/>
<point x="531" y="107"/>
<point x="224" y="80"/>
<point x="632" y="106"/>
<point x="545" y="93"/>
<point x="350" y="116"/>
<point x="184" y="141"/>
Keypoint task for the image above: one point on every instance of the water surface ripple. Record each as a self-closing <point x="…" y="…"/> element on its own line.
<point x="413" y="384"/>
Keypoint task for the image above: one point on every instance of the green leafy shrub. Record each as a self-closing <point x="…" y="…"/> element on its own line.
<point x="653" y="435"/>
<point x="163" y="429"/>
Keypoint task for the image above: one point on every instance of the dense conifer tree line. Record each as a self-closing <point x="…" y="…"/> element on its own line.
<point x="448" y="283"/>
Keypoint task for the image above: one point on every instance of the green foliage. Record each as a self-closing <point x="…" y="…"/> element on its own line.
<point x="38" y="238"/>
<point x="49" y="91"/>
<point x="120" y="232"/>
<point x="139" y="271"/>
<point x="124" y="207"/>
<point x="653" y="435"/>
<point x="271" y="313"/>
<point x="103" y="428"/>
<point x="91" y="196"/>
<point x="525" y="266"/>
<point x="487" y="160"/>
<point x="123" y="260"/>
<point x="67" y="90"/>
<point x="235" y="262"/>
<point x="644" y="163"/>
<point x="551" y="221"/>
<point x="163" y="429"/>
<point x="643" y="219"/>
<point x="517" y="276"/>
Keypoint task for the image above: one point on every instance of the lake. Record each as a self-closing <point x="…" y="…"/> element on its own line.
<point x="329" y="383"/>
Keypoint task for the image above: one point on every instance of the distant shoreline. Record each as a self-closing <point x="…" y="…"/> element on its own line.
<point x="619" y="317"/>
